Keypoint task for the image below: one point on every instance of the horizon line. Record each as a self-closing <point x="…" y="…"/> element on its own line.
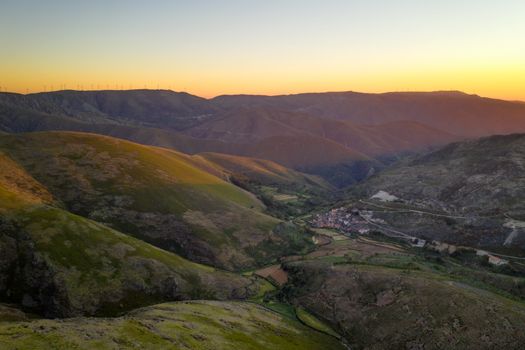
<point x="459" y="92"/>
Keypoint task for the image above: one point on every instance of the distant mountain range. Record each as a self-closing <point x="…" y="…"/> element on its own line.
<point x="450" y="111"/>
<point x="342" y="136"/>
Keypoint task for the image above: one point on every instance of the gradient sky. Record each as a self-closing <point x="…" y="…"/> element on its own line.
<point x="267" y="46"/>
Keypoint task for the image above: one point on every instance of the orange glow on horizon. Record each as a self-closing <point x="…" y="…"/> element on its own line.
<point x="208" y="48"/>
<point x="508" y="84"/>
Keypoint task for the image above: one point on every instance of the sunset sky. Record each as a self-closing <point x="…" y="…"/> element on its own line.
<point x="266" y="47"/>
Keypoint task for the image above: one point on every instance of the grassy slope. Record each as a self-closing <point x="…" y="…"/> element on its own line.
<point x="10" y="313"/>
<point x="313" y="322"/>
<point x="152" y="193"/>
<point x="188" y="325"/>
<point x="63" y="264"/>
<point x="15" y="181"/>
<point x="285" y="192"/>
<point x="263" y="171"/>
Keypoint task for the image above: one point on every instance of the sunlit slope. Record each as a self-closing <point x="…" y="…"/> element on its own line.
<point x="60" y="264"/>
<point x="263" y="171"/>
<point x="184" y="325"/>
<point x="17" y="187"/>
<point x="153" y="194"/>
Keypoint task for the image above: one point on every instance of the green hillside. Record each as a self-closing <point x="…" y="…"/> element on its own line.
<point x="264" y="171"/>
<point x="285" y="192"/>
<point x="183" y="325"/>
<point x="59" y="264"/>
<point x="154" y="194"/>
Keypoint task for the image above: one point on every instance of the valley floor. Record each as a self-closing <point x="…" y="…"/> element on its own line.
<point x="295" y="307"/>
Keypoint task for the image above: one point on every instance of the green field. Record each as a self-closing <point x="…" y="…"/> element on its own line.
<point x="313" y="322"/>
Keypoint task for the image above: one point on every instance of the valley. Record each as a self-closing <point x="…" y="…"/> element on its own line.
<point x="262" y="175"/>
<point x="116" y="244"/>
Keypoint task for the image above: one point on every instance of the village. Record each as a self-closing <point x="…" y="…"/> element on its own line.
<point x="354" y="221"/>
<point x="344" y="220"/>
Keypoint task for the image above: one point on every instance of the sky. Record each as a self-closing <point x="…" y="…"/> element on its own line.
<point x="210" y="48"/>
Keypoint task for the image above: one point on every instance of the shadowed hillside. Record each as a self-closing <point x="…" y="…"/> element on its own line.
<point x="140" y="107"/>
<point x="476" y="186"/>
<point x="450" y="111"/>
<point x="405" y="308"/>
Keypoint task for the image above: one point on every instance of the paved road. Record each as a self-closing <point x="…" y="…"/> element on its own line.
<point x="413" y="211"/>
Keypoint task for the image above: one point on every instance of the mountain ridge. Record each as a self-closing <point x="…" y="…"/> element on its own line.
<point x="349" y="127"/>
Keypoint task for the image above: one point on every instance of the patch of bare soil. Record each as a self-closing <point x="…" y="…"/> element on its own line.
<point x="274" y="273"/>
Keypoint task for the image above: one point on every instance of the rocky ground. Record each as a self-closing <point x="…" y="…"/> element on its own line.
<point x="378" y="291"/>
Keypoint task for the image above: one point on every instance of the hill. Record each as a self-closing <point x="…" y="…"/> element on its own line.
<point x="188" y="325"/>
<point x="241" y="125"/>
<point x="20" y="113"/>
<point x="381" y="293"/>
<point x="477" y="184"/>
<point x="262" y="171"/>
<point x="59" y="264"/>
<point x="141" y="107"/>
<point x="156" y="195"/>
<point x="285" y="192"/>
<point x="449" y="111"/>
<point x="377" y="306"/>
